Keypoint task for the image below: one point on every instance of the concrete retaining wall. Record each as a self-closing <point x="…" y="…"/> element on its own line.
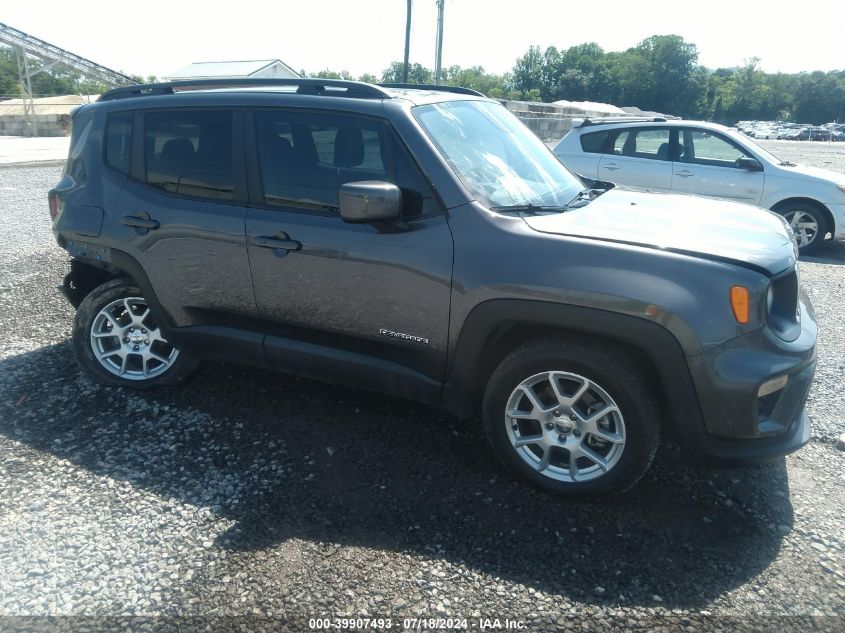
<point x="549" y="122"/>
<point x="48" y="125"/>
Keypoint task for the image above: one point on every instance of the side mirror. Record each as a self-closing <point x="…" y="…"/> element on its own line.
<point x="751" y="164"/>
<point x="369" y="201"/>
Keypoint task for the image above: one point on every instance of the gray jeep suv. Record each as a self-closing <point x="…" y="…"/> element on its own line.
<point x="423" y="243"/>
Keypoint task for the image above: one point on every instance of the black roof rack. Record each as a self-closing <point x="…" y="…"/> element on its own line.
<point x="456" y="89"/>
<point x="622" y="119"/>
<point x="338" y="87"/>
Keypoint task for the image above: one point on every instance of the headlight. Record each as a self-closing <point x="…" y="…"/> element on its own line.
<point x="841" y="188"/>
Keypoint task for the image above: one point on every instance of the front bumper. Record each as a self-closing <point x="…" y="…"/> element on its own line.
<point x="739" y="425"/>
<point x="838" y="213"/>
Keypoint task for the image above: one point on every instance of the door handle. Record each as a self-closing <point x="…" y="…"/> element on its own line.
<point x="611" y="166"/>
<point x="140" y="222"/>
<point x="685" y="173"/>
<point x="276" y="242"/>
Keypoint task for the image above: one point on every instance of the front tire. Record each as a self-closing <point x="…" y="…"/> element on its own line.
<point x="117" y="341"/>
<point x="573" y="419"/>
<point x="807" y="222"/>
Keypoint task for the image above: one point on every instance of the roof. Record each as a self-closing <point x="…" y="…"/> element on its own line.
<point x="243" y="68"/>
<point x="634" y="122"/>
<point x="299" y="88"/>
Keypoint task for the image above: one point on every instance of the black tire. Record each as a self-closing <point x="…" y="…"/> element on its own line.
<point x="614" y="372"/>
<point x="789" y="209"/>
<point x="87" y="318"/>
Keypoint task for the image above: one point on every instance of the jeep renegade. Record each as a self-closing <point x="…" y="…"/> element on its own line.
<point x="424" y="243"/>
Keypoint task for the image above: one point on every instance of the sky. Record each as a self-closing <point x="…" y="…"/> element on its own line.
<point x="154" y="37"/>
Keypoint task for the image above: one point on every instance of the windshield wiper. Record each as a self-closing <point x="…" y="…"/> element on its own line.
<point x="585" y="197"/>
<point x="530" y="208"/>
<point x="787" y="163"/>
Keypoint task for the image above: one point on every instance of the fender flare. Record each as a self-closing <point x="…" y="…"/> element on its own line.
<point x="482" y="345"/>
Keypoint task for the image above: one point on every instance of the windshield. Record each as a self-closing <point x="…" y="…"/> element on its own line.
<point x="499" y="160"/>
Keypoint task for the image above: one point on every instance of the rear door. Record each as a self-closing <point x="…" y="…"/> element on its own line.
<point x="338" y="298"/>
<point x="581" y="153"/>
<point x="638" y="157"/>
<point x="181" y="214"/>
<point x="707" y="165"/>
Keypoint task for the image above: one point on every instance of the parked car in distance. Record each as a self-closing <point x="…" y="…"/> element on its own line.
<point x="765" y="133"/>
<point x="696" y="157"/>
<point x="424" y="243"/>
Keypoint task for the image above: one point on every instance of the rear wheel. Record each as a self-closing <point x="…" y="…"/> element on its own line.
<point x="117" y="341"/>
<point x="572" y="419"/>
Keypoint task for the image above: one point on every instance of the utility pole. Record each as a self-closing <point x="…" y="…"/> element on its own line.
<point x="438" y="54"/>
<point x="407" y="43"/>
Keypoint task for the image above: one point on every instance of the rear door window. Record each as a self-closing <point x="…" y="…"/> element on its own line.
<point x="189" y="153"/>
<point x="650" y="143"/>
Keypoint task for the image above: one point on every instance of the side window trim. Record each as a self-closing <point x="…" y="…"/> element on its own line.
<point x="137" y="165"/>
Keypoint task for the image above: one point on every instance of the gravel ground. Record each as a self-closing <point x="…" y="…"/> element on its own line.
<point x="246" y="501"/>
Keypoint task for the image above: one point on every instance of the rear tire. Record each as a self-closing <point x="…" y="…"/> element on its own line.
<point x="554" y="401"/>
<point x="116" y="340"/>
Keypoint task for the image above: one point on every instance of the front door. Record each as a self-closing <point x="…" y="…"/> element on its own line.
<point x="339" y="297"/>
<point x="708" y="165"/>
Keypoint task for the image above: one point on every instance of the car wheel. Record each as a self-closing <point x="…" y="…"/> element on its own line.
<point x="807" y="222"/>
<point x="117" y="341"/>
<point x="573" y="419"/>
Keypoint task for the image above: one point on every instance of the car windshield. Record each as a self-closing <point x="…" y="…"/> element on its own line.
<point x="499" y="160"/>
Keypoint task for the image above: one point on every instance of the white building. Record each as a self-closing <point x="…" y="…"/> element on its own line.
<point x="259" y="68"/>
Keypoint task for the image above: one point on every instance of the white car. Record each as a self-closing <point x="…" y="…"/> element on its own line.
<point x="708" y="159"/>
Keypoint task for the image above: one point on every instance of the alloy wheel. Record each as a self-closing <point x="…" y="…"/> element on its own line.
<point x="128" y="343"/>
<point x="804" y="225"/>
<point x="565" y="426"/>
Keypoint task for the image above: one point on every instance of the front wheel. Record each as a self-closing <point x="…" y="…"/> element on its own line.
<point x="117" y="341"/>
<point x="574" y="419"/>
<point x="808" y="224"/>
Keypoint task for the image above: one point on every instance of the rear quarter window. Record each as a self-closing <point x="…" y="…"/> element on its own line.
<point x="593" y="142"/>
<point x="81" y="127"/>
<point x="119" y="141"/>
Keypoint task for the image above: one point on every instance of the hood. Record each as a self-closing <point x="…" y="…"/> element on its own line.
<point x="714" y="229"/>
<point x="817" y="173"/>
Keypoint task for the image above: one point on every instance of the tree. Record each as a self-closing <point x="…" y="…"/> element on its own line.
<point x="417" y="74"/>
<point x="819" y="98"/>
<point x="331" y="74"/>
<point x="669" y="67"/>
<point x="9" y="84"/>
<point x="369" y="78"/>
<point x="475" y="78"/>
<point x="528" y="72"/>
